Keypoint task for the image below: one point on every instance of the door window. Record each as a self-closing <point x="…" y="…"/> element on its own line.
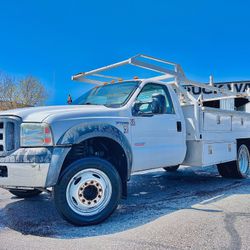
<point x="148" y="91"/>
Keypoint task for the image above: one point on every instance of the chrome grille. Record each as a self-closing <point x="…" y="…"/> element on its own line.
<point x="9" y="131"/>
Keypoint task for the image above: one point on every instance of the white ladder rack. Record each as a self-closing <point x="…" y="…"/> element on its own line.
<point x="171" y="73"/>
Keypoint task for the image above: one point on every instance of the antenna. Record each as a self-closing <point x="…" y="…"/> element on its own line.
<point x="211" y="80"/>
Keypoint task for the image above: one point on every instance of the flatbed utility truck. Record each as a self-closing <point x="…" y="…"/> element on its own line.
<point x="87" y="151"/>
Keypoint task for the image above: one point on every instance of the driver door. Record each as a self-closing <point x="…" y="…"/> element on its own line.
<point x="158" y="140"/>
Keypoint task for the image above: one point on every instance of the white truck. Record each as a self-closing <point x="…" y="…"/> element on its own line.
<point x="87" y="151"/>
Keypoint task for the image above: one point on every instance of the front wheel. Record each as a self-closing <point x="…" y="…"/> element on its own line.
<point x="88" y="191"/>
<point x="239" y="168"/>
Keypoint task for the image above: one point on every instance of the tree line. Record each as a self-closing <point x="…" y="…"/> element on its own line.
<point x="25" y="92"/>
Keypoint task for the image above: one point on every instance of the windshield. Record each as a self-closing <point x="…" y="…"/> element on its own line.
<point x="110" y="95"/>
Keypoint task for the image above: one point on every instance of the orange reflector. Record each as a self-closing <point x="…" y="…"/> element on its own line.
<point x="113" y="81"/>
<point x="105" y="83"/>
<point x="120" y="80"/>
<point x="47" y="140"/>
<point x="136" y="77"/>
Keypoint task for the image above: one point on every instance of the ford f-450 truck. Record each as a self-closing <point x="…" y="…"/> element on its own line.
<point x="87" y="151"/>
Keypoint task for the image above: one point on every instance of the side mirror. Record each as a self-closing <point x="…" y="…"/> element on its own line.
<point x="142" y="109"/>
<point x="156" y="106"/>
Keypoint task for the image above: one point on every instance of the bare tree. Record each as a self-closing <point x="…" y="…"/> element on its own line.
<point x="31" y="92"/>
<point x="8" y="90"/>
<point x="20" y="93"/>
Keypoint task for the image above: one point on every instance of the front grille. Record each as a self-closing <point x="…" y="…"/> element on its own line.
<point x="10" y="136"/>
<point x="9" y="130"/>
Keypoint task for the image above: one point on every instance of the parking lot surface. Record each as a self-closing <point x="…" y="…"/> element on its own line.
<point x="193" y="208"/>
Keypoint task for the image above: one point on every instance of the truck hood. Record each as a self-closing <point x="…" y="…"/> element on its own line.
<point x="39" y="114"/>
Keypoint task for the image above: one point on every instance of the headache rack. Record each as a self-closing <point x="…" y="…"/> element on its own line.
<point x="167" y="72"/>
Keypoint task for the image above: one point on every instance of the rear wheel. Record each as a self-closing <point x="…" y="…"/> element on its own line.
<point x="172" y="168"/>
<point x="88" y="191"/>
<point x="238" y="168"/>
<point x="22" y="193"/>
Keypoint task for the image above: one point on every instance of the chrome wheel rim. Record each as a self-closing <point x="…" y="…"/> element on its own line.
<point x="243" y="159"/>
<point x="88" y="192"/>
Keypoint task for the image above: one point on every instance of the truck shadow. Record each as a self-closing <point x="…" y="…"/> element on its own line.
<point x="151" y="195"/>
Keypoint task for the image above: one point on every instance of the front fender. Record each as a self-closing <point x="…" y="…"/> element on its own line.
<point x="85" y="131"/>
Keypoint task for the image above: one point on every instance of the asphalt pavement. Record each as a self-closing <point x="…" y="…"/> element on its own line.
<point x="193" y="208"/>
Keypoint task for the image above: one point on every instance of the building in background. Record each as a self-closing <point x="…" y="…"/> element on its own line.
<point x="241" y="104"/>
<point x="10" y="105"/>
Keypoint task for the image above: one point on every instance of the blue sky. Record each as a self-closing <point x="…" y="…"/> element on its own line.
<point x="54" y="39"/>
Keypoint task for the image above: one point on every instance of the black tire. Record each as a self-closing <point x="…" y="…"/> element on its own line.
<point x="233" y="169"/>
<point x="64" y="201"/>
<point x="172" y="168"/>
<point x="224" y="169"/>
<point x="22" y="193"/>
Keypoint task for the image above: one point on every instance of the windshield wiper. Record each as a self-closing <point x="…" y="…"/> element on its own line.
<point x="89" y="103"/>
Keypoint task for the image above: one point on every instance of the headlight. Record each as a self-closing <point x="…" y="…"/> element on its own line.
<point x="36" y="135"/>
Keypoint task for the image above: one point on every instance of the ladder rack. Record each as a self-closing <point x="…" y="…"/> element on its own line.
<point x="169" y="72"/>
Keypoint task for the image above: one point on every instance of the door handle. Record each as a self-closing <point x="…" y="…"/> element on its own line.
<point x="178" y="126"/>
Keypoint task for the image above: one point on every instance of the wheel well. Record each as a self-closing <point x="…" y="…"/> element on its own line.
<point x="104" y="148"/>
<point x="245" y="141"/>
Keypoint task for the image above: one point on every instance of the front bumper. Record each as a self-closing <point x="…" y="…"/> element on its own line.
<point x="24" y="174"/>
<point x="32" y="167"/>
<point x="26" y="167"/>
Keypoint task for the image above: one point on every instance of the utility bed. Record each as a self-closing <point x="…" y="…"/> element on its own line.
<point x="211" y="138"/>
